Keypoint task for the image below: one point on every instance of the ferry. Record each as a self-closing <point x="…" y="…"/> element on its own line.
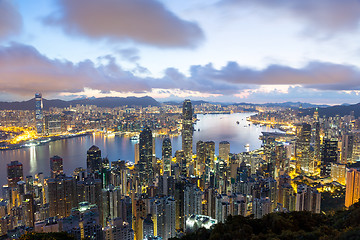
<point x="134" y="138"/>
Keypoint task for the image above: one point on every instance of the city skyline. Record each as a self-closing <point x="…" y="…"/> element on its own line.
<point x="246" y="52"/>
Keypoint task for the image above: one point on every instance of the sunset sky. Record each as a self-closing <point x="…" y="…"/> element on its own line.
<point x="216" y="50"/>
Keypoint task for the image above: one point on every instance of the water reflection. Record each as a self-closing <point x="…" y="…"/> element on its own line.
<point x="217" y="128"/>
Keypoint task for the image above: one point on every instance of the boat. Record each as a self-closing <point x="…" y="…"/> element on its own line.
<point x="198" y="129"/>
<point x="247" y="145"/>
<point x="134" y="138"/>
<point x="237" y="122"/>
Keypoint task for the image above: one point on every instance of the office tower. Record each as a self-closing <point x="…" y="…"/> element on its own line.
<point x="305" y="162"/>
<point x="352" y="194"/>
<point x="52" y="124"/>
<point x="224" y="151"/>
<point x="56" y="166"/>
<point x="181" y="161"/>
<point x="61" y="196"/>
<point x="316" y="130"/>
<point x="210" y="153"/>
<point x="346" y="150"/>
<point x="329" y="155"/>
<point x="200" y="157"/>
<point x="166" y="156"/>
<point x="14" y="173"/>
<point x="39" y="113"/>
<point x="93" y="161"/>
<point x="187" y="129"/>
<point x="145" y="155"/>
<point x="137" y="153"/>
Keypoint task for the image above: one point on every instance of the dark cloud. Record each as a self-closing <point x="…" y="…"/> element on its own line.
<point x="325" y="15"/>
<point x="23" y="71"/>
<point x="10" y="19"/>
<point x="144" y="21"/>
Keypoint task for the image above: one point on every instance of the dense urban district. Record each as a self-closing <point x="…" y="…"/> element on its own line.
<point x="299" y="177"/>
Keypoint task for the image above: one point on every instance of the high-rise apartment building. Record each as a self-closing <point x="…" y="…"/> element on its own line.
<point x="56" y="166"/>
<point x="352" y="194"/>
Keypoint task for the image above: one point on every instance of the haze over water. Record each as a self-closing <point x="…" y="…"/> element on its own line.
<point x="213" y="127"/>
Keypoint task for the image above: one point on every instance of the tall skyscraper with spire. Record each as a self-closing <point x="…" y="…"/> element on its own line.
<point x="187" y="129"/>
<point x="39" y="113"/>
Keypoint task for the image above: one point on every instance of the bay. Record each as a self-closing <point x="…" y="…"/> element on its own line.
<point x="210" y="127"/>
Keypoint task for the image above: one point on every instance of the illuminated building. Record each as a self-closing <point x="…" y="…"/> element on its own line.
<point x="224" y="151"/>
<point x="329" y="155"/>
<point x="192" y="201"/>
<point x="304" y="158"/>
<point x="39" y="113"/>
<point x="62" y="196"/>
<point x="14" y="173"/>
<point x="145" y="155"/>
<point x="200" y="157"/>
<point x="352" y="194"/>
<point x="261" y="207"/>
<point x="56" y="166"/>
<point x="52" y="124"/>
<point x="187" y="129"/>
<point x="346" y="149"/>
<point x="210" y="153"/>
<point x="93" y="161"/>
<point x="28" y="208"/>
<point x="338" y="173"/>
<point x="316" y="130"/>
<point x="181" y="161"/>
<point x="194" y="222"/>
<point x="166" y="156"/>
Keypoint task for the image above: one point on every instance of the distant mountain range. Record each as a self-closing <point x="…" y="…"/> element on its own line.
<point x="285" y="104"/>
<point x="109" y="102"/>
<point x="332" y="111"/>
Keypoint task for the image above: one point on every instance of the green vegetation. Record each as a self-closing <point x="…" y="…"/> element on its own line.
<point x="286" y="226"/>
<point x="47" y="236"/>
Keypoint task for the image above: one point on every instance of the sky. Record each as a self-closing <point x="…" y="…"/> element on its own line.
<point x="254" y="51"/>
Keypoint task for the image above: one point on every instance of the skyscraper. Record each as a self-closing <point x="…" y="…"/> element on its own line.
<point x="305" y="162"/>
<point x="39" y="113"/>
<point x="187" y="129"/>
<point x="145" y="155"/>
<point x="14" y="173"/>
<point x="56" y="166"/>
<point x="224" y="150"/>
<point x="166" y="155"/>
<point x="93" y="161"/>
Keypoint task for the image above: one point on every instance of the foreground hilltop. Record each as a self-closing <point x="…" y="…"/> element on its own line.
<point x="286" y="226"/>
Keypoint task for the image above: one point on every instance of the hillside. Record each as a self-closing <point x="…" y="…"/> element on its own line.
<point x="340" y="110"/>
<point x="286" y="226"/>
<point x="109" y="102"/>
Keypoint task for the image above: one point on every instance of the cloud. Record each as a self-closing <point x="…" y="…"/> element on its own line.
<point x="23" y="71"/>
<point x="317" y="75"/>
<point x="327" y="16"/>
<point x="129" y="54"/>
<point x="10" y="19"/>
<point x="143" y="21"/>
